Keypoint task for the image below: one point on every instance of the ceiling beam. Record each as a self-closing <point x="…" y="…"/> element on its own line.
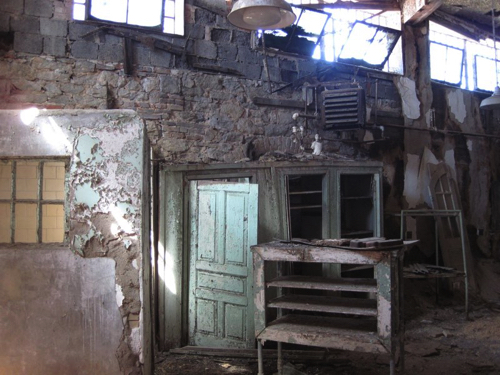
<point x="416" y="11"/>
<point x="466" y="28"/>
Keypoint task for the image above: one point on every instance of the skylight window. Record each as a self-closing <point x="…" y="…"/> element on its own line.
<point x="368" y="38"/>
<point x="369" y="45"/>
<point x="164" y="15"/>
<point x="303" y="36"/>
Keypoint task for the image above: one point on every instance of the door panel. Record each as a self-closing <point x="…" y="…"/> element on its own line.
<point x="223" y="226"/>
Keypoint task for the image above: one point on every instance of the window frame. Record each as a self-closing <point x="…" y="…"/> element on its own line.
<point x="462" y="63"/>
<point x="39" y="201"/>
<point x="377" y="28"/>
<point x="88" y="18"/>
<point x="258" y="36"/>
<point x="472" y="50"/>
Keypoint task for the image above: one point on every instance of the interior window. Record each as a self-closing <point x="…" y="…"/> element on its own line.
<point x="32" y="195"/>
<point x="167" y="15"/>
<point x="357" y="207"/>
<point x="305" y="197"/>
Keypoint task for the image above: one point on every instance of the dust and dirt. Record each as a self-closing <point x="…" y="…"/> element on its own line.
<point x="439" y="341"/>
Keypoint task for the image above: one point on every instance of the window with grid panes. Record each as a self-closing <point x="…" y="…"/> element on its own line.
<point x="32" y="195"/>
<point x="166" y="16"/>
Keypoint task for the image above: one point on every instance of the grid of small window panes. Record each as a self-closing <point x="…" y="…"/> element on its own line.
<point x="164" y="15"/>
<point x="32" y="194"/>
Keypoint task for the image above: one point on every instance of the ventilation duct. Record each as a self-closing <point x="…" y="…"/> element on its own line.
<point x="343" y="109"/>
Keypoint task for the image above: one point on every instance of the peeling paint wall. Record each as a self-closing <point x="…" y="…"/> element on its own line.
<point x="470" y="158"/>
<point x="196" y="115"/>
<point x="103" y="205"/>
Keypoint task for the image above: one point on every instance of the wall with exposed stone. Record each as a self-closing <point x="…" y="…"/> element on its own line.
<point x="195" y="95"/>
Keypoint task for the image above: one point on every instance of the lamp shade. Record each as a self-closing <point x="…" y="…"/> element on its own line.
<point x="261" y="14"/>
<point x="493" y="102"/>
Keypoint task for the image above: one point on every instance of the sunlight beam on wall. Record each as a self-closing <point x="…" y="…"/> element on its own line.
<point x="166" y="269"/>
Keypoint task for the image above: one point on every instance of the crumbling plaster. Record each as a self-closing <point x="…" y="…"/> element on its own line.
<point x="105" y="150"/>
<point x="200" y="116"/>
<point x="466" y="156"/>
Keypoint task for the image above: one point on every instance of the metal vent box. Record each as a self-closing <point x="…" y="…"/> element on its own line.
<point x="343" y="109"/>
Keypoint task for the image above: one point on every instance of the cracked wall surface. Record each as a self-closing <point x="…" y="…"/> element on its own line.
<point x="205" y="116"/>
<point x="103" y="206"/>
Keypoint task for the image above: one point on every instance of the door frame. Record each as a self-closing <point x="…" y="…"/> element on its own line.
<point x="173" y="247"/>
<point x="173" y="302"/>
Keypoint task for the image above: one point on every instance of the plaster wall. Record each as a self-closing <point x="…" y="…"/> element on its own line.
<point x="57" y="316"/>
<point x="103" y="208"/>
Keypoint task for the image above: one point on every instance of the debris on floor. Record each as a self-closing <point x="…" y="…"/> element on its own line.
<point x="439" y="342"/>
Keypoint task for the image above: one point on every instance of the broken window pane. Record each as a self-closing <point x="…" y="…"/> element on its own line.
<point x="369" y="45"/>
<point x="303" y="36"/>
<point x="323" y="34"/>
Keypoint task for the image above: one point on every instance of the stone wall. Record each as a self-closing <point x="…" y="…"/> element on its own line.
<point x="194" y="113"/>
<point x="197" y="102"/>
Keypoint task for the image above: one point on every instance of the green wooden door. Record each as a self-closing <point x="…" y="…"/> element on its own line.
<point x="223" y="226"/>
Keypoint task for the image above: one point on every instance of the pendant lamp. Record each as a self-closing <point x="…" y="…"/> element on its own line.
<point x="493" y="102"/>
<point x="261" y="14"/>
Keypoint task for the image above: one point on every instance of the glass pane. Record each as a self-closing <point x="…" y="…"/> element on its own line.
<point x="144" y="12"/>
<point x="312" y="22"/>
<point x="170" y="8"/>
<point x="52" y="223"/>
<point x="438" y="56"/>
<point x="454" y="65"/>
<point x="79" y="12"/>
<point x="26" y="219"/>
<point x="179" y="17"/>
<point x="358" y="42"/>
<point x="53" y="180"/>
<point x="5" y="180"/>
<point x="27" y="180"/>
<point x="484" y="68"/>
<point x="4" y="222"/>
<point x="110" y="10"/>
<point x="379" y="48"/>
<point x="168" y="25"/>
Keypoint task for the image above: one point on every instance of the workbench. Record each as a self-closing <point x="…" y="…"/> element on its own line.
<point x="328" y="319"/>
